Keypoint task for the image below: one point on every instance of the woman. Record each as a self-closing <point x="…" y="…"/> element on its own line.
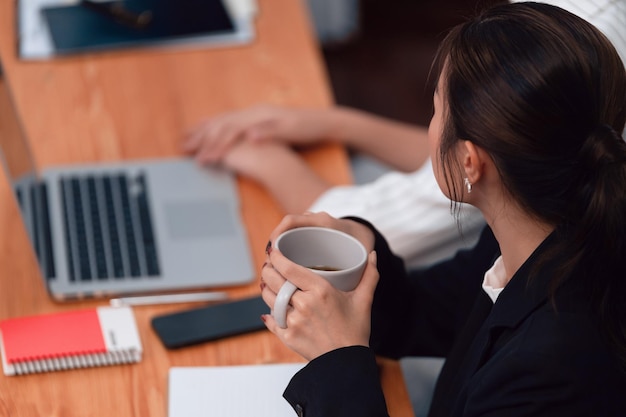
<point x="529" y="108"/>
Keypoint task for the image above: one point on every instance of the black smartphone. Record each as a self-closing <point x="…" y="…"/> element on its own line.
<point x="212" y="322"/>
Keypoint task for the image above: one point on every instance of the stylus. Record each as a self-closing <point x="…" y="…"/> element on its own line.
<point x="169" y="299"/>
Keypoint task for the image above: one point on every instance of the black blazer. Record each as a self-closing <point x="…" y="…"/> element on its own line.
<point x="525" y="355"/>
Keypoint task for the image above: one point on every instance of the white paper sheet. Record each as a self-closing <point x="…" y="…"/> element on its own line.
<point x="233" y="391"/>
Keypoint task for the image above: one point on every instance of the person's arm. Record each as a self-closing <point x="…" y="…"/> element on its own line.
<point x="278" y="168"/>
<point x="420" y="313"/>
<point x="329" y="327"/>
<point x="344" y="382"/>
<point x="399" y="145"/>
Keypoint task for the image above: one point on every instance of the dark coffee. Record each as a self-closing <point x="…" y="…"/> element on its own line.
<point x="324" y="268"/>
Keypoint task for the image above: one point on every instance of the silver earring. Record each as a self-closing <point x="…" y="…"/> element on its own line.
<point x="468" y="184"/>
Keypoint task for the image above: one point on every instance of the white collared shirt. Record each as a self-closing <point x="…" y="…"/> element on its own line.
<point x="494" y="277"/>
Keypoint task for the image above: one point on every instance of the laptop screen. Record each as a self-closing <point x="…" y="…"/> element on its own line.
<point x="21" y="174"/>
<point x="17" y="156"/>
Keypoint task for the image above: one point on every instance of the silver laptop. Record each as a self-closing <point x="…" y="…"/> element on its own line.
<point x="102" y="230"/>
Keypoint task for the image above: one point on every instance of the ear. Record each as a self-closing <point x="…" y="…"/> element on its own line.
<point x="473" y="160"/>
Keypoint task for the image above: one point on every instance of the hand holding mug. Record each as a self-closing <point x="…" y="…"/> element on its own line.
<point x="320" y="317"/>
<point x="331" y="254"/>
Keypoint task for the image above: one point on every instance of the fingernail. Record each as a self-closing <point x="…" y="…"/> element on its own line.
<point x="263" y="318"/>
<point x="268" y="247"/>
<point x="374" y="257"/>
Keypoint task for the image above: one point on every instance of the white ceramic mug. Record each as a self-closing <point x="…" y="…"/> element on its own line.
<point x="334" y="255"/>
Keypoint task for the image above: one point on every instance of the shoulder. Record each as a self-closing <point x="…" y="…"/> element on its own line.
<point x="554" y="364"/>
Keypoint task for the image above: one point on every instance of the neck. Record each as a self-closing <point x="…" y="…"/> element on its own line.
<point x="518" y="236"/>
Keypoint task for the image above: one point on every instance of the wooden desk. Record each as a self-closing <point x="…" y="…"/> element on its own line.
<point x="134" y="104"/>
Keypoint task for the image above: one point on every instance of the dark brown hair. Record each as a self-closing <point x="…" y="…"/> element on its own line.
<point x="544" y="93"/>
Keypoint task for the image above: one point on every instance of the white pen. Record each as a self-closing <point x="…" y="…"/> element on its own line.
<point x="169" y="298"/>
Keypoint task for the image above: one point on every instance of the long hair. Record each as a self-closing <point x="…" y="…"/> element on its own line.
<point x="544" y="93"/>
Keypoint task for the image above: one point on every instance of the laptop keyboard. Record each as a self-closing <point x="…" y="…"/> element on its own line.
<point x="40" y="217"/>
<point x="108" y="226"/>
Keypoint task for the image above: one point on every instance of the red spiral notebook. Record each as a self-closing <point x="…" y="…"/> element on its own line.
<point x="74" y="339"/>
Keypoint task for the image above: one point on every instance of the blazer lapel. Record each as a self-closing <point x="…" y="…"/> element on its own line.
<point x="487" y="328"/>
<point x="457" y="367"/>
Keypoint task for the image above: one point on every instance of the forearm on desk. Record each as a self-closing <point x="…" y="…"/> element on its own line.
<point x="293" y="184"/>
<point x="400" y="145"/>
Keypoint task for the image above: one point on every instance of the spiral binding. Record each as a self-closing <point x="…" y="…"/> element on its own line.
<point x="76" y="361"/>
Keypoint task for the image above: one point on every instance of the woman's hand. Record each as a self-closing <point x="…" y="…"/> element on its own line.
<point x="211" y="139"/>
<point x="320" y="318"/>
